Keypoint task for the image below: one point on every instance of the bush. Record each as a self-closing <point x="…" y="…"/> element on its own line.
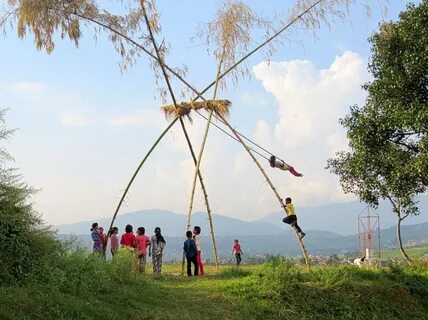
<point x="28" y="248"/>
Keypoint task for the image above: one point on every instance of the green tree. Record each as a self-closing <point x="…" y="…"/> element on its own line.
<point x="27" y="246"/>
<point x="388" y="140"/>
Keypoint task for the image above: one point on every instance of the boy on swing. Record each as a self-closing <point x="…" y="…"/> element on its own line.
<point x="291" y="217"/>
<point x="276" y="163"/>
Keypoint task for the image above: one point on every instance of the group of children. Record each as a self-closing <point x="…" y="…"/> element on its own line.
<point x="138" y="243"/>
<point x="142" y="245"/>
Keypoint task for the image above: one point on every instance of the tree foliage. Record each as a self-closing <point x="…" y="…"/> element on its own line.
<point x="388" y="136"/>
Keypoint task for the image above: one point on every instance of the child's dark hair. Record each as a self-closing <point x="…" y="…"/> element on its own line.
<point x="189" y="234"/>
<point x="94" y="225"/>
<point x="159" y="237"/>
<point x="288" y="199"/>
<point x="128" y="228"/>
<point x="141" y="230"/>
<point x="197" y="229"/>
<point x="113" y="229"/>
<point x="236" y="240"/>
<point x="272" y="161"/>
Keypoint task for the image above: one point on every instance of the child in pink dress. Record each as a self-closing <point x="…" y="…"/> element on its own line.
<point x="197" y="238"/>
<point x="276" y="163"/>
<point x="237" y="251"/>
<point x="114" y="241"/>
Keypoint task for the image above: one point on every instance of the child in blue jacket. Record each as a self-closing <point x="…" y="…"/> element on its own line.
<point x="191" y="252"/>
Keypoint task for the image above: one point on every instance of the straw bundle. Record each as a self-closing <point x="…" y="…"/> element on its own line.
<point x="220" y="107"/>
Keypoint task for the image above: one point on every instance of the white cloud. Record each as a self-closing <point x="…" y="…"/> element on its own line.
<point x="307" y="132"/>
<point x="144" y="117"/>
<point x="26" y="87"/>
<point x="73" y="121"/>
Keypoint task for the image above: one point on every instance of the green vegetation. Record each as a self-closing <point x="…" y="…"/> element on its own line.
<point x="27" y="247"/>
<point x="388" y="136"/>
<point x="86" y="287"/>
<point x="413" y="252"/>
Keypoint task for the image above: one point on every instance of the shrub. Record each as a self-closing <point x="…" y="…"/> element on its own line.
<point x="27" y="246"/>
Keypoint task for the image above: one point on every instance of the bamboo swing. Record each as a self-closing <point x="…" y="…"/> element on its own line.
<point x="308" y="12"/>
<point x="221" y="109"/>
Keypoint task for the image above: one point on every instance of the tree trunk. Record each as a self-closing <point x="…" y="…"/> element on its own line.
<point x="137" y="170"/>
<point x="302" y="245"/>
<point x="400" y="243"/>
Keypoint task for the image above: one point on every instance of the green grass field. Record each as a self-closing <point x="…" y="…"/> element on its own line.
<point x="89" y="289"/>
<point x="413" y="252"/>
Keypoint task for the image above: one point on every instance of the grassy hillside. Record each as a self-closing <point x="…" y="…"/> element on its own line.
<point x="413" y="252"/>
<point x="88" y="288"/>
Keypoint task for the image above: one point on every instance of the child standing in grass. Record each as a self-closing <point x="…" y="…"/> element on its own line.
<point x="291" y="217"/>
<point x="156" y="250"/>
<point x="142" y="241"/>
<point x="103" y="239"/>
<point x="114" y="241"/>
<point x="128" y="238"/>
<point x="197" y="238"/>
<point x="95" y="235"/>
<point x="191" y="253"/>
<point x="236" y="250"/>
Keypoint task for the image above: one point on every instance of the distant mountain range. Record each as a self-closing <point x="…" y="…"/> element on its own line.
<point x="340" y="218"/>
<point x="173" y="224"/>
<point x="285" y="243"/>
<point x="326" y="227"/>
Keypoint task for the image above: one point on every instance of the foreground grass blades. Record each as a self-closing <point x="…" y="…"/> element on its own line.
<point x="88" y="288"/>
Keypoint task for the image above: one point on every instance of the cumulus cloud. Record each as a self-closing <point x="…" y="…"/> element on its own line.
<point x="307" y="132"/>
<point x="26" y="87"/>
<point x="74" y="121"/>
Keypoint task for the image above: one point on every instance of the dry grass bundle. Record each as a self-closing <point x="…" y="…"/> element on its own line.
<point x="220" y="107"/>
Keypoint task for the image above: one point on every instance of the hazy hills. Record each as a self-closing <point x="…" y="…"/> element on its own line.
<point x="340" y="218"/>
<point x="326" y="228"/>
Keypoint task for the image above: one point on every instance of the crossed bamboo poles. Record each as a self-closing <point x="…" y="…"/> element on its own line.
<point x="199" y="95"/>
<point x="197" y="162"/>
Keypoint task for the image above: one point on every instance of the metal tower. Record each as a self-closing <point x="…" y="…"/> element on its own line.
<point x="369" y="233"/>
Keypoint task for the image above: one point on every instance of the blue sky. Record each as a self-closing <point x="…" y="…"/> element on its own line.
<point x="84" y="126"/>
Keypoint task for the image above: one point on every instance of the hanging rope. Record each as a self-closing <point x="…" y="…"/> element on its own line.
<point x="243" y="136"/>
<point x="227" y="133"/>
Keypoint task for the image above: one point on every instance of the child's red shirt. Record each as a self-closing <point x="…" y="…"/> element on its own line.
<point x="128" y="240"/>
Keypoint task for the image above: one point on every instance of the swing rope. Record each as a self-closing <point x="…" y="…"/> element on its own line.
<point x="241" y="135"/>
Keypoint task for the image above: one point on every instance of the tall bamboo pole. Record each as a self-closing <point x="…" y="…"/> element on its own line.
<point x="207" y="204"/>
<point x="137" y="170"/>
<point x="196" y="162"/>
<point x="200" y="94"/>
<point x="246" y="56"/>
<point x="302" y="245"/>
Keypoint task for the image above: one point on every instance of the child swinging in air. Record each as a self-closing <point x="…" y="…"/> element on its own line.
<point x="291" y="217"/>
<point x="276" y="163"/>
